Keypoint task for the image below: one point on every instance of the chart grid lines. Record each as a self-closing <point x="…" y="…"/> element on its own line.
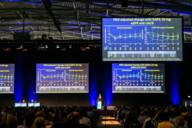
<point x="62" y="78"/>
<point x="141" y="78"/>
<point x="146" y="35"/>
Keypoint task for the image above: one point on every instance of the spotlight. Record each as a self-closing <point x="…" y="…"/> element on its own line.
<point x="42" y="47"/>
<point x="188" y="96"/>
<point x="20" y="47"/>
<point x="46" y="46"/>
<point x="57" y="46"/>
<point x="23" y="100"/>
<point x="88" y="48"/>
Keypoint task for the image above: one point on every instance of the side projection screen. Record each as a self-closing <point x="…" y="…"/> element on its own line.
<point x="62" y="78"/>
<point x="142" y="39"/>
<point x="7" y="72"/>
<point x="138" y="78"/>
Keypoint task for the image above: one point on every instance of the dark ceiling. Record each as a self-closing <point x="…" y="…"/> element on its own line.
<point x="81" y="19"/>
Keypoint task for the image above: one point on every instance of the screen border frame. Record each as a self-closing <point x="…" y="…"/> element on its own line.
<point x="153" y="60"/>
<point x="87" y="92"/>
<point x="163" y="91"/>
<point x="14" y="74"/>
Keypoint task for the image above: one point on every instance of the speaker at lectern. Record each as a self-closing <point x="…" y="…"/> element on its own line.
<point x="99" y="102"/>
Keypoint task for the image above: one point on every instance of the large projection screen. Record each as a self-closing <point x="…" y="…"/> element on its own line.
<point x="137" y="78"/>
<point x="142" y="39"/>
<point x="62" y="78"/>
<point x="7" y="73"/>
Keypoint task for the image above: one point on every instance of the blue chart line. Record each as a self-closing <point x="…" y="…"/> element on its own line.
<point x="134" y="76"/>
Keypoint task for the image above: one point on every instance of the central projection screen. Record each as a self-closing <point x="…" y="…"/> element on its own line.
<point x="138" y="78"/>
<point x="142" y="39"/>
<point x="62" y="78"/>
<point x="7" y="72"/>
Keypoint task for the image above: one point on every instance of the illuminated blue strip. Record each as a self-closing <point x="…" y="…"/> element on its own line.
<point x="108" y="85"/>
<point x="175" y="98"/>
<point x="93" y="86"/>
<point x="18" y="89"/>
